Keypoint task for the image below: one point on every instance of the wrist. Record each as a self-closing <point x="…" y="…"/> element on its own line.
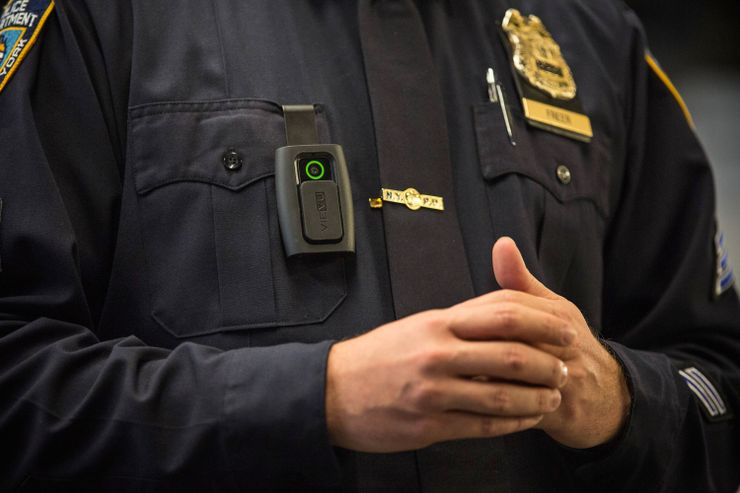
<point x="621" y="395"/>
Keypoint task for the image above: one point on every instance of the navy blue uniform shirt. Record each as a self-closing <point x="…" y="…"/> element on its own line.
<point x="154" y="337"/>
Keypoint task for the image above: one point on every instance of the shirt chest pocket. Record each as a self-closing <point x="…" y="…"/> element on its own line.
<point x="549" y="189"/>
<point x="204" y="177"/>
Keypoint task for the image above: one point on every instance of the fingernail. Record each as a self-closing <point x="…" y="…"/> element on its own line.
<point x="563" y="374"/>
<point x="568" y="337"/>
<point x="556" y="398"/>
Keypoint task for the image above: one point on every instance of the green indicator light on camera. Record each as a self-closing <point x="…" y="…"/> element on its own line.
<point x="315" y="170"/>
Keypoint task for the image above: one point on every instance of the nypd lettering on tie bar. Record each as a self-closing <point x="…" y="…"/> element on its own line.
<point x="410" y="197"/>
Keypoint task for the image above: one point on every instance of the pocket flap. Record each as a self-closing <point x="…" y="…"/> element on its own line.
<point x="173" y="142"/>
<point x="538" y="154"/>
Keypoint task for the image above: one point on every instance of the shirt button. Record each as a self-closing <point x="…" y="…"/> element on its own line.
<point x="563" y="174"/>
<point x="232" y="160"/>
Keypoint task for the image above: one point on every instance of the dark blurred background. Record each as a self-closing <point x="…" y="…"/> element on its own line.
<point x="698" y="44"/>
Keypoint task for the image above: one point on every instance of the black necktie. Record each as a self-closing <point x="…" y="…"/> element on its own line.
<point x="426" y="255"/>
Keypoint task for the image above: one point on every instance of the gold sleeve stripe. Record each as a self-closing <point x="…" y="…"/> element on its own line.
<point x="664" y="78"/>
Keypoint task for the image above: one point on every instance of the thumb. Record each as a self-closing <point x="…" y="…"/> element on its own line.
<point x="512" y="273"/>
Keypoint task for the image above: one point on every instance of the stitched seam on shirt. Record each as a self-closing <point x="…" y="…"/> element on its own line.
<point x="275" y="306"/>
<point x="209" y="181"/>
<point x="199" y="106"/>
<point x="216" y="258"/>
<point x="200" y="111"/>
<point x="98" y="419"/>
<point x="221" y="49"/>
<point x="142" y="110"/>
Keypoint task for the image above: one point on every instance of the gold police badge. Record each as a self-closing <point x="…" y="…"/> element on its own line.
<point x="543" y="78"/>
<point x="537" y="56"/>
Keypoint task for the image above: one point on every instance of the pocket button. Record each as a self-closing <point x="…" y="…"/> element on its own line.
<point x="232" y="160"/>
<point x="564" y="174"/>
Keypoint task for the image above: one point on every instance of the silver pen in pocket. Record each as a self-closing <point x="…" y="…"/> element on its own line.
<point x="496" y="95"/>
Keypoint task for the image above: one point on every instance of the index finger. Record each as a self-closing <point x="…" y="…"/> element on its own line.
<point x="510" y="322"/>
<point x="512" y="296"/>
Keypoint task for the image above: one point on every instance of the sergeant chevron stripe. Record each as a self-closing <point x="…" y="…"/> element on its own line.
<point x="705" y="391"/>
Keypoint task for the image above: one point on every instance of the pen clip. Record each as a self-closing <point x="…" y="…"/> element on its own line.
<point x="491" y="81"/>
<point x="496" y="95"/>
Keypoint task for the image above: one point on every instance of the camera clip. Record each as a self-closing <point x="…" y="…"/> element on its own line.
<point x="314" y="196"/>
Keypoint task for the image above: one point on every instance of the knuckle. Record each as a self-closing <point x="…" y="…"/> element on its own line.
<point x="458" y="354"/>
<point x="426" y="396"/>
<point x="430" y="397"/>
<point x="432" y="320"/>
<point x="453" y="318"/>
<point x="508" y="295"/>
<point x="514" y="359"/>
<point x="508" y="317"/>
<point x="487" y="426"/>
<point x="499" y="401"/>
<point x="559" y="325"/>
<point x="548" y="400"/>
<point x="431" y="360"/>
<point x="542" y="400"/>
<point x="577" y="375"/>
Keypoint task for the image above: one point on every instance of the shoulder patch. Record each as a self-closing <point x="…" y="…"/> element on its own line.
<point x="20" y="25"/>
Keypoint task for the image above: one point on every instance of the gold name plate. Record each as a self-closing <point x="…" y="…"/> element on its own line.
<point x="410" y="197"/>
<point x="569" y="123"/>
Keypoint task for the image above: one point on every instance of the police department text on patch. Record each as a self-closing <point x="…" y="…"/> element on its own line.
<point x="20" y="24"/>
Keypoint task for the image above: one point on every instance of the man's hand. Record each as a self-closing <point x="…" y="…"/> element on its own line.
<point x="493" y="365"/>
<point x="596" y="399"/>
<point x="469" y="371"/>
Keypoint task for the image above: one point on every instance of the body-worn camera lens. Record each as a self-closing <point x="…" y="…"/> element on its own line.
<point x="315" y="169"/>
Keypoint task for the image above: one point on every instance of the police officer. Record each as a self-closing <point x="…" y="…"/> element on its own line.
<point x="159" y="333"/>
